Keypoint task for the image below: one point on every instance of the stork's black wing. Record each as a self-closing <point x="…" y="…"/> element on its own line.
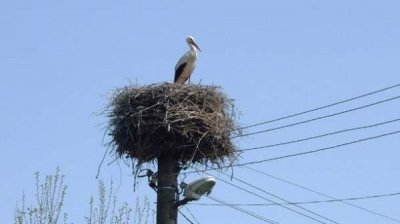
<point x="179" y="70"/>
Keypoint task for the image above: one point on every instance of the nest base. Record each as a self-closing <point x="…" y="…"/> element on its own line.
<point x="193" y="123"/>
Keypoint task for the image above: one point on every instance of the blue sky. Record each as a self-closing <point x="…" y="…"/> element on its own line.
<point x="59" y="61"/>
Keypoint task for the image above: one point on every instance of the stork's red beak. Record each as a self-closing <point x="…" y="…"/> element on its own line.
<point x="194" y="44"/>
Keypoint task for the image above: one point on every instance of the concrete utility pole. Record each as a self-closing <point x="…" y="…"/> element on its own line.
<point x="167" y="193"/>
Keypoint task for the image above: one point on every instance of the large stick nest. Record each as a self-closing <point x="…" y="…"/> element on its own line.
<point x="194" y="123"/>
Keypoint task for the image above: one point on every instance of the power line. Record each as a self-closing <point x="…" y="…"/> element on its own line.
<point x="259" y="196"/>
<point x="320" y="136"/>
<point x="322" y="194"/>
<point x="191" y="214"/>
<point x="319" y="150"/>
<point x="309" y="202"/>
<point x="273" y="195"/>
<point x="184" y="216"/>
<point x="317" y="118"/>
<point x="262" y="218"/>
<point x="296" y="154"/>
<point x="322" y="107"/>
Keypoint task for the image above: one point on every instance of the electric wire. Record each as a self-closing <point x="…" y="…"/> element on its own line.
<point x="322" y="135"/>
<point x="318" y="118"/>
<point x="191" y="214"/>
<point x="310" y="202"/>
<point x="262" y="218"/>
<point x="322" y="194"/>
<point x="273" y="195"/>
<point x="319" y="150"/>
<point x="296" y="154"/>
<point x="320" y="108"/>
<point x="184" y="216"/>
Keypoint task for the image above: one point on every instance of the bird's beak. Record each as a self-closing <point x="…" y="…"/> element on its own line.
<point x="194" y="44"/>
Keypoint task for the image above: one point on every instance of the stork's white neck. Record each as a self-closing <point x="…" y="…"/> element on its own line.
<point x="193" y="48"/>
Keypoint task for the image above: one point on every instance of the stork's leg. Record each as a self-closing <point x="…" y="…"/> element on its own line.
<point x="189" y="80"/>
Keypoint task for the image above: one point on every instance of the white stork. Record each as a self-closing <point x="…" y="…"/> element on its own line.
<point x="186" y="64"/>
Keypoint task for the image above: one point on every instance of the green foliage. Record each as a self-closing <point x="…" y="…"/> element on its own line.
<point x="49" y="196"/>
<point x="49" y="202"/>
<point x="143" y="212"/>
<point x="105" y="210"/>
